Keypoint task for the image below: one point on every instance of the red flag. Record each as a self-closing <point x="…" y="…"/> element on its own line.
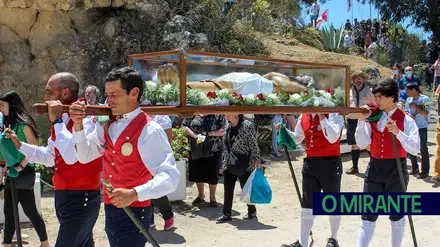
<point x="322" y="18"/>
<point x="349" y="5"/>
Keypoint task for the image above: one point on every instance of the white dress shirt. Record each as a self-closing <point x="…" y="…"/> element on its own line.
<point x="63" y="142"/>
<point x="331" y="128"/>
<point x="409" y="138"/>
<point x="163" y="120"/>
<point x="153" y="147"/>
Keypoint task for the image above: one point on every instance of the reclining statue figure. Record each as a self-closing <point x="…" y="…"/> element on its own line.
<point x="242" y="82"/>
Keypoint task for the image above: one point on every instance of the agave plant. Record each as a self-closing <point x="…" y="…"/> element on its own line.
<point x="332" y="39"/>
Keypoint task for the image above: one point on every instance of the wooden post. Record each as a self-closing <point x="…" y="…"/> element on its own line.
<point x="347" y="86"/>
<point x="182" y="85"/>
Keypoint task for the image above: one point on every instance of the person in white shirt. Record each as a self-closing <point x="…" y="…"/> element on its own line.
<point x="360" y="94"/>
<point x="322" y="168"/>
<point x="138" y="159"/>
<point x="76" y="184"/>
<point x="375" y="129"/>
<point x="348" y="40"/>
<point x="314" y="13"/>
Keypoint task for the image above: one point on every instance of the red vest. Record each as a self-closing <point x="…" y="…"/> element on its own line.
<point x="77" y="176"/>
<point x="316" y="143"/>
<point x="381" y="144"/>
<point x="126" y="171"/>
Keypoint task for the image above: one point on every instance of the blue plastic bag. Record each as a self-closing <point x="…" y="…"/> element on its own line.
<point x="261" y="191"/>
<point x="256" y="190"/>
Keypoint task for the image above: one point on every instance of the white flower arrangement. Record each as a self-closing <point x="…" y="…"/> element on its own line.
<point x="249" y="99"/>
<point x="295" y="99"/>
<point x="169" y="94"/>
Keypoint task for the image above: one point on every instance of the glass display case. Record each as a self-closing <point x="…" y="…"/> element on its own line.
<point x="188" y="82"/>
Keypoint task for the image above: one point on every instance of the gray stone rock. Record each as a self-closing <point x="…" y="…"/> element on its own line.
<point x="110" y="27"/>
<point x="18" y="3"/>
<point x="15" y="52"/>
<point x="50" y="26"/>
<point x="18" y="20"/>
<point x="178" y="24"/>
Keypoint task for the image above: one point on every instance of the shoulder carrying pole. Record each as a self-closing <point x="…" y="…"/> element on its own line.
<point x="402" y="181"/>
<point x="15" y="212"/>
<point x="295" y="182"/>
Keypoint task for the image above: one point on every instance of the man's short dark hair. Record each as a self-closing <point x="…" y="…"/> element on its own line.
<point x="388" y="88"/>
<point x="130" y="79"/>
<point x="412" y="86"/>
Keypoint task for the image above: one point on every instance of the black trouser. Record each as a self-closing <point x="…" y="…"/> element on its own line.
<point x="383" y="176"/>
<point x="423" y="133"/>
<point x="320" y="173"/>
<point x="229" y="180"/>
<point x="77" y="212"/>
<point x="27" y="200"/>
<point x="164" y="206"/>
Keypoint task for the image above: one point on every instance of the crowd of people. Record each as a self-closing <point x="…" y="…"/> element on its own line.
<point x="133" y="151"/>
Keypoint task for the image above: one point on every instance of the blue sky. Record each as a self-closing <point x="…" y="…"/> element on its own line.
<point x="338" y="15"/>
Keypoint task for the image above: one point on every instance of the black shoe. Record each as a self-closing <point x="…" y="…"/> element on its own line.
<point x="223" y="219"/>
<point x="198" y="200"/>
<point x="422" y="175"/>
<point x="332" y="243"/>
<point x="213" y="204"/>
<point x="435" y="179"/>
<point x="296" y="244"/>
<point x="249" y="216"/>
<point x="414" y="172"/>
<point x="353" y="171"/>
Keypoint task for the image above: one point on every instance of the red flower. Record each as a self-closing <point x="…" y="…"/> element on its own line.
<point x="306" y="92"/>
<point x="173" y="137"/>
<point x="330" y="91"/>
<point x="212" y="95"/>
<point x="261" y="97"/>
<point x="237" y="95"/>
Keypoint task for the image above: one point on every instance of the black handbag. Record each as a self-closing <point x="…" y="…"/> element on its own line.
<point x="236" y="164"/>
<point x="200" y="150"/>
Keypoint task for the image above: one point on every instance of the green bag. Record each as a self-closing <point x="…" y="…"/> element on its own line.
<point x="284" y="138"/>
<point x="10" y="154"/>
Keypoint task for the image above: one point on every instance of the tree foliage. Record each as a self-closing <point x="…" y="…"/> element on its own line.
<point x="422" y="13"/>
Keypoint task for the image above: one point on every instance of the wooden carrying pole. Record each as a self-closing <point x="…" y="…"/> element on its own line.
<point x="189" y="111"/>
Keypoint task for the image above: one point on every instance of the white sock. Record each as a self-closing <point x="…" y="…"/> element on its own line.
<point x="335" y="222"/>
<point x="397" y="232"/>
<point x="307" y="219"/>
<point x="366" y="232"/>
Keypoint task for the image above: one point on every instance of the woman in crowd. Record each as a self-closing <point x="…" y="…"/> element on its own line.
<point x="241" y="141"/>
<point x="205" y="134"/>
<point x="397" y="72"/>
<point x="20" y="121"/>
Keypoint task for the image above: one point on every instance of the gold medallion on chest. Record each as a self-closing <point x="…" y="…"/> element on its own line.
<point x="127" y="149"/>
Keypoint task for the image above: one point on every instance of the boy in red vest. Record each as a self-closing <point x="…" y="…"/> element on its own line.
<point x="135" y="149"/>
<point x="375" y="129"/>
<point x="76" y="184"/>
<point x="322" y="168"/>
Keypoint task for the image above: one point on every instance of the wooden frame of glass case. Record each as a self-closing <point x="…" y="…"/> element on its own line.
<point x="185" y="59"/>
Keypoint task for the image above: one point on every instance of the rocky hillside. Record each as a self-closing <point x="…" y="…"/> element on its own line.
<point x="89" y="37"/>
<point x="85" y="37"/>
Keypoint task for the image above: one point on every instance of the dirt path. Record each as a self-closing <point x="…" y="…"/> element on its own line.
<point x="277" y="223"/>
